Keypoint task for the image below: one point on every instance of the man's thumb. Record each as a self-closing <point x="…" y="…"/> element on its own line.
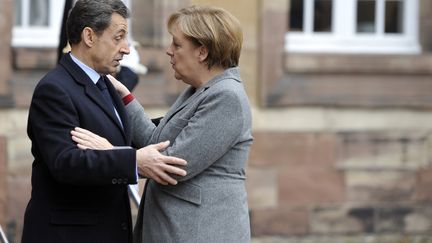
<point x="162" y="146"/>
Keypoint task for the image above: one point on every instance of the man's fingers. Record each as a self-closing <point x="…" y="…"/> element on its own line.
<point x="159" y="179"/>
<point x="173" y="160"/>
<point x="168" y="179"/>
<point x="174" y="170"/>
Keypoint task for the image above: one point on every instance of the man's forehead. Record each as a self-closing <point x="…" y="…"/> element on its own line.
<point x="118" y="23"/>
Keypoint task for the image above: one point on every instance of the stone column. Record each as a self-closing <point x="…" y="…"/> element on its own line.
<point x="3" y="193"/>
<point x="5" y="52"/>
<point x="272" y="41"/>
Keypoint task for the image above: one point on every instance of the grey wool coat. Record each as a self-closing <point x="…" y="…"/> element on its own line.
<point x="211" y="129"/>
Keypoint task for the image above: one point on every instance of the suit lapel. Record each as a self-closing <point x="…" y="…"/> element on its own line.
<point x="189" y="95"/>
<point x="95" y="95"/>
<point x="185" y="98"/>
<point x="121" y="111"/>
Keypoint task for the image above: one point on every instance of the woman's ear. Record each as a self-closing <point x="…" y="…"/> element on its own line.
<point x="203" y="53"/>
<point x="88" y="36"/>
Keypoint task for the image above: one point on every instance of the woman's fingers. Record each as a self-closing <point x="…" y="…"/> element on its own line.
<point x="90" y="140"/>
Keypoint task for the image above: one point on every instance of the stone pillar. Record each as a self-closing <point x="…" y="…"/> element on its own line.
<point x="3" y="175"/>
<point x="5" y="52"/>
<point x="248" y="58"/>
<point x="425" y="25"/>
<point x="272" y="41"/>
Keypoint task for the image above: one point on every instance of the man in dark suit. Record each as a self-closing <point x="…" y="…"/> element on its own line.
<point x="80" y="195"/>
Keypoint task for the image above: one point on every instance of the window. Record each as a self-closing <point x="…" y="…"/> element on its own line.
<point x="353" y="26"/>
<point x="37" y="23"/>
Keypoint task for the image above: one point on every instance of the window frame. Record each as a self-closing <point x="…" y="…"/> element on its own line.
<point x="344" y="39"/>
<point x="38" y="36"/>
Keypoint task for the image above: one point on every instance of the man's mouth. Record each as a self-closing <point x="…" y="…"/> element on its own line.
<point x="117" y="61"/>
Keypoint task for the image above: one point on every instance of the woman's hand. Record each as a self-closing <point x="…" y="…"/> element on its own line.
<point x="121" y="89"/>
<point x="88" y="140"/>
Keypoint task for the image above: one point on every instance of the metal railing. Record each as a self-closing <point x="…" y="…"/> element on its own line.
<point x="3" y="237"/>
<point x="134" y="195"/>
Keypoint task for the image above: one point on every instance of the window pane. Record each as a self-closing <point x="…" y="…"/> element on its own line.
<point x="323" y="15"/>
<point x="366" y="16"/>
<point x="39" y="13"/>
<point x="394" y="17"/>
<point x="296" y="15"/>
<point x="18" y="13"/>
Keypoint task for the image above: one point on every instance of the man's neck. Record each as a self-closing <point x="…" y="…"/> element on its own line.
<point x="82" y="55"/>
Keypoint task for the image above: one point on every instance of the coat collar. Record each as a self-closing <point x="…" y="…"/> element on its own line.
<point x="94" y="94"/>
<point x="230" y="73"/>
<point x="190" y="93"/>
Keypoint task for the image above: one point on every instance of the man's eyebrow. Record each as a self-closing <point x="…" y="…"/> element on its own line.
<point x="123" y="31"/>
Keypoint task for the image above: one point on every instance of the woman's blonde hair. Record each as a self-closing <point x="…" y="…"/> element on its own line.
<point x="214" y="28"/>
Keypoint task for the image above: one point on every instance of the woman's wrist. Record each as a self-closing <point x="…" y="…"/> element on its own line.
<point x="123" y="91"/>
<point x="128" y="98"/>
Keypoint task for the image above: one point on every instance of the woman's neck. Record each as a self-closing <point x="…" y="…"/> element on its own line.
<point x="208" y="75"/>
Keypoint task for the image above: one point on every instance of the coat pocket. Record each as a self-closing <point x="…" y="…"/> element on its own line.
<point x="74" y="217"/>
<point x="185" y="191"/>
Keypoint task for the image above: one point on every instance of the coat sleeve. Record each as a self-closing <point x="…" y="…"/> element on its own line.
<point x="52" y="116"/>
<point x="214" y="129"/>
<point x="142" y="126"/>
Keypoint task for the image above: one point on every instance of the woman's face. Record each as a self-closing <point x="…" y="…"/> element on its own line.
<point x="184" y="56"/>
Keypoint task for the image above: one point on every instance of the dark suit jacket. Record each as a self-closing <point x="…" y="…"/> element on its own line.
<point x="77" y="195"/>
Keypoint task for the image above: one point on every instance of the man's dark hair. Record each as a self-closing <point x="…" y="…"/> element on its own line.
<point x="95" y="14"/>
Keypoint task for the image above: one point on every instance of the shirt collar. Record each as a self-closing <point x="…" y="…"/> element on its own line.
<point x="93" y="75"/>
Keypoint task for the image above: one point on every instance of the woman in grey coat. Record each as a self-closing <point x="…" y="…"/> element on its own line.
<point x="209" y="126"/>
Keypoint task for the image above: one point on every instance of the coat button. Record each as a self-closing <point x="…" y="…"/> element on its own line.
<point x="119" y="181"/>
<point x="124" y="226"/>
<point x="114" y="181"/>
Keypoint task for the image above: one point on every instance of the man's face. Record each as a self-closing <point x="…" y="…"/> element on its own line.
<point x="110" y="47"/>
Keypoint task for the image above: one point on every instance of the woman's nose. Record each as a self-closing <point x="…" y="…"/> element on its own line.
<point x="169" y="51"/>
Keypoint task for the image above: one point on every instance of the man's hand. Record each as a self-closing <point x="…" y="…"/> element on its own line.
<point x="152" y="164"/>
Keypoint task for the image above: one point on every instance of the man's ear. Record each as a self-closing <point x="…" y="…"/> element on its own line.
<point x="88" y="36"/>
<point x="203" y="53"/>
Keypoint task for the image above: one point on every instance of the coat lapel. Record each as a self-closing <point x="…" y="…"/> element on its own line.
<point x="95" y="95"/>
<point x="121" y="111"/>
<point x="189" y="95"/>
<point x="185" y="98"/>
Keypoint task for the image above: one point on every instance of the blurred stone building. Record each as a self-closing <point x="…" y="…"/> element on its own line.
<point x="341" y="92"/>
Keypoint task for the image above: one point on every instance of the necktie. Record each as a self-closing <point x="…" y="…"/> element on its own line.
<point x="104" y="90"/>
<point x="105" y="93"/>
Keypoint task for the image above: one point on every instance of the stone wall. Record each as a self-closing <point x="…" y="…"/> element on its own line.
<point x="340" y="184"/>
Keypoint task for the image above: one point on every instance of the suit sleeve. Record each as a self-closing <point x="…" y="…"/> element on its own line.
<point x="142" y="126"/>
<point x="213" y="129"/>
<point x="52" y="116"/>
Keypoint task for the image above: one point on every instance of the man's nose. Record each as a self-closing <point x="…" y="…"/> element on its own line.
<point x="125" y="48"/>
